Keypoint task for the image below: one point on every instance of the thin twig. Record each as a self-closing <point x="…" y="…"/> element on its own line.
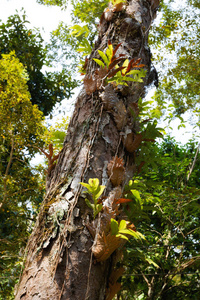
<point x="7" y="171"/>
<point x="193" y="164"/>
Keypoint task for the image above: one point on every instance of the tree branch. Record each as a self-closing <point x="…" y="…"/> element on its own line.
<point x="193" y="164"/>
<point x="7" y="171"/>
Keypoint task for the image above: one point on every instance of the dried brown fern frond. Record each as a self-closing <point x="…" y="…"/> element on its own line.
<point x="90" y="84"/>
<point x="116" y="170"/>
<point x="133" y="141"/>
<point x="120" y="115"/>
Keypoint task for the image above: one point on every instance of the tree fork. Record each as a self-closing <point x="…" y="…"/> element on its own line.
<point x="59" y="262"/>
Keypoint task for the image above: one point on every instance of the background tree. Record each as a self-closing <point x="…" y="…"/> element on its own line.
<point x="46" y="88"/>
<point x="178" y="31"/>
<point x="20" y="185"/>
<point x="167" y="266"/>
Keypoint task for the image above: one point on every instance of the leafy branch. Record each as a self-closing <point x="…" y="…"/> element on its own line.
<point x="95" y="190"/>
<point x="119" y="75"/>
<point x="82" y="32"/>
<point x="123" y="229"/>
<point x="111" y="72"/>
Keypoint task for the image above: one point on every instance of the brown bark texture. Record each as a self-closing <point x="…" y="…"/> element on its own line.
<point x="61" y="262"/>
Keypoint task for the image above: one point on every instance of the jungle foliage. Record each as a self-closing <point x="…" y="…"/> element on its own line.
<point x="174" y="43"/>
<point x="21" y="186"/>
<point x="167" y="265"/>
<point x="46" y="88"/>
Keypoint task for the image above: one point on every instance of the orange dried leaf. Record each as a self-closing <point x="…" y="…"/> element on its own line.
<point x="116" y="273"/>
<point x="118" y="7"/>
<point x="114" y="286"/>
<point x="85" y="64"/>
<point x="114" y="72"/>
<point x="113" y="290"/>
<point x="131" y="226"/>
<point x="123" y="200"/>
<point x="116" y="48"/>
<point x="115" y="62"/>
<point x="102" y="18"/>
<point x="91" y="230"/>
<point x="140" y="66"/>
<point x="109" y="97"/>
<point x="102" y="72"/>
<point x="134" y="64"/>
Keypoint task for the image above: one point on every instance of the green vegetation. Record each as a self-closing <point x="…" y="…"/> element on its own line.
<point x="21" y="186"/>
<point x="168" y="215"/>
<point x="95" y="190"/>
<point x="46" y="88"/>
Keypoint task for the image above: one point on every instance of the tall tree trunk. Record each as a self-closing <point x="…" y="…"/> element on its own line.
<point x="62" y="258"/>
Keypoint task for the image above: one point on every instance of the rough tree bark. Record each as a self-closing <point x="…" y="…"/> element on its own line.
<point x="60" y="263"/>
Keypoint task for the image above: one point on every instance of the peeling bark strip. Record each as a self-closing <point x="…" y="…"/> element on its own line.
<point x="59" y="262"/>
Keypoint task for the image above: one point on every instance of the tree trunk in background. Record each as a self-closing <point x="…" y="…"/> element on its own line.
<point x="59" y="263"/>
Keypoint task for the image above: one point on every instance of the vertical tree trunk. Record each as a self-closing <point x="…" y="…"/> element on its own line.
<point x="60" y="263"/>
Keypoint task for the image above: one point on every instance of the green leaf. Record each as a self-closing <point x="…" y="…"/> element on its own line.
<point x="151" y="262"/>
<point x="125" y="63"/>
<point x="98" y="192"/>
<point x="76" y="29"/>
<point x="104" y="57"/>
<point x="135" y="234"/>
<point x="85" y="185"/>
<point x="89" y="204"/>
<point x="136" y="194"/>
<point x="122" y="225"/>
<point x="122" y="236"/>
<point x="109" y="52"/>
<point x="99" y="62"/>
<point x="94" y="183"/>
<point x="125" y="78"/>
<point x="114" y="226"/>
<point x="85" y="47"/>
<point x="79" y="30"/>
<point x="97" y="209"/>
<point x="134" y="72"/>
<point x="95" y="190"/>
<point x="125" y="231"/>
